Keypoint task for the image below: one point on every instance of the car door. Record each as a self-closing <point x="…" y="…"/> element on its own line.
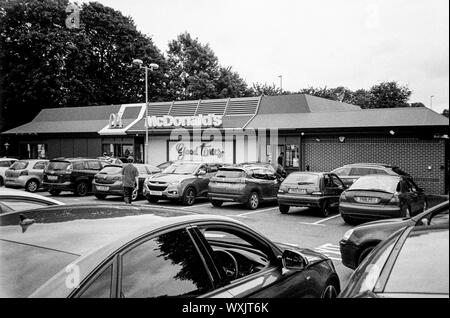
<point x="337" y="188"/>
<point x="267" y="280"/>
<point x="38" y="170"/>
<point x="93" y="167"/>
<point x="417" y="197"/>
<point x="273" y="185"/>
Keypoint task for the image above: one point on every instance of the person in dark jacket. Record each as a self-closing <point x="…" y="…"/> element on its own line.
<point x="130" y="180"/>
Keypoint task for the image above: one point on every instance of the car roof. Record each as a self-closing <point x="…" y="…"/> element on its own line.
<point x="75" y="159"/>
<point x="7" y="159"/>
<point x="311" y="172"/>
<point x="80" y="229"/>
<point x="383" y="165"/>
<point x="6" y="192"/>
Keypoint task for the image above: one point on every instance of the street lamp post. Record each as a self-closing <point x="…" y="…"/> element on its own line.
<point x="431" y="102"/>
<point x="281" y="83"/>
<point x="150" y="67"/>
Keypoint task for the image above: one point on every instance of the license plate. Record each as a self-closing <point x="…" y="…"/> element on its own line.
<point x="100" y="188"/>
<point x="367" y="200"/>
<point x="157" y="193"/>
<point x="52" y="178"/>
<point x="298" y="191"/>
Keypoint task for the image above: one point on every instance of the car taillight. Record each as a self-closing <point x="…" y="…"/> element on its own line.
<point x="395" y="199"/>
<point x="24" y="173"/>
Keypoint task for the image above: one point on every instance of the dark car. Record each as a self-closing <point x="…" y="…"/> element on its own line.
<point x="183" y="181"/>
<point x="72" y="174"/>
<point x="351" y="173"/>
<point x="381" y="197"/>
<point x="249" y="184"/>
<point x="109" y="180"/>
<point x="359" y="242"/>
<point x="147" y="252"/>
<point x="311" y="189"/>
<point x="412" y="263"/>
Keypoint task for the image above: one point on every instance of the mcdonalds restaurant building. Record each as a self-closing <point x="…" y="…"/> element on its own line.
<point x="314" y="134"/>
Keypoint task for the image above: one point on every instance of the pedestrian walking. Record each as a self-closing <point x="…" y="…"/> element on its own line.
<point x="130" y="180"/>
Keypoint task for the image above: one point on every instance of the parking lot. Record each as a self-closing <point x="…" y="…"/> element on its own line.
<point x="301" y="227"/>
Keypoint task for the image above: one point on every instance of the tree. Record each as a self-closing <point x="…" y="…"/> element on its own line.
<point x="265" y="89"/>
<point x="193" y="69"/>
<point x="44" y="64"/>
<point x="230" y="85"/>
<point x="445" y="113"/>
<point x="389" y="95"/>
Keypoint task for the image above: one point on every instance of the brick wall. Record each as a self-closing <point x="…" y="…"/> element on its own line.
<point x="411" y="154"/>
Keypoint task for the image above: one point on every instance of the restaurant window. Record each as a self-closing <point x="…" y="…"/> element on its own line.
<point x="292" y="156"/>
<point x="33" y="151"/>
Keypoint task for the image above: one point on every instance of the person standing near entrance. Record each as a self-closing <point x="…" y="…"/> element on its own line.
<point x="296" y="162"/>
<point x="281" y="159"/>
<point x="130" y="180"/>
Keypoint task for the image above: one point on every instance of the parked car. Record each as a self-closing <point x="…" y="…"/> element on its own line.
<point x="412" y="263"/>
<point x="352" y="172"/>
<point x="311" y="189"/>
<point x="26" y="174"/>
<point x="251" y="185"/>
<point x="5" y="163"/>
<point x="280" y="171"/>
<point x="15" y="200"/>
<point x="183" y="181"/>
<point x="360" y="241"/>
<point x="109" y="180"/>
<point x="72" y="174"/>
<point x="150" y="253"/>
<point x="111" y="160"/>
<point x="381" y="197"/>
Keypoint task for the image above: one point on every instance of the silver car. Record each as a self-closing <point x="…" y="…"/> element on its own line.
<point x="26" y="174"/>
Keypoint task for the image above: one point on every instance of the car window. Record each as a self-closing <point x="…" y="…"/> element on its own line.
<point x="166" y="266"/>
<point x="229" y="173"/>
<point x="422" y="265"/>
<point x="380" y="171"/>
<point x="251" y="257"/>
<point x="361" y="171"/>
<point x="342" y="171"/>
<point x="101" y="286"/>
<point x="259" y="173"/>
<point x="22" y="204"/>
<point x="19" y="165"/>
<point x="377" y="183"/>
<point x="336" y="181"/>
<point x="5" y="164"/>
<point x="439" y="218"/>
<point x="270" y="174"/>
<point x="94" y="165"/>
<point x="212" y="169"/>
<point x="40" y="165"/>
<point x="79" y="166"/>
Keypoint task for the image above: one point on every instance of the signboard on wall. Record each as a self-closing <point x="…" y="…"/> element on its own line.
<point x="210" y="120"/>
<point x="206" y="151"/>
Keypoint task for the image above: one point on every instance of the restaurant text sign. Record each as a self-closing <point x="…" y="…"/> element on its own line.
<point x="210" y="120"/>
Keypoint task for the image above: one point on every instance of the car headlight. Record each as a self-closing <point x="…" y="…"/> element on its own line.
<point x="347" y="235"/>
<point x="174" y="183"/>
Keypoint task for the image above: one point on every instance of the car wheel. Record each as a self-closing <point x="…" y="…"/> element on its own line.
<point x="284" y="209"/>
<point x="2" y="183"/>
<point x="253" y="201"/>
<point x="152" y="199"/>
<point x="364" y="254"/>
<point x="189" y="196"/>
<point x="32" y="186"/>
<point x="330" y="291"/>
<point x="134" y="195"/>
<point x="100" y="196"/>
<point x="325" y="209"/>
<point x="81" y="189"/>
<point x="55" y="192"/>
<point x="216" y="203"/>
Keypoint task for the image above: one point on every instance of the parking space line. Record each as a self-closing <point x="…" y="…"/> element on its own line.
<point x="255" y="212"/>
<point x="195" y="206"/>
<point x="325" y="220"/>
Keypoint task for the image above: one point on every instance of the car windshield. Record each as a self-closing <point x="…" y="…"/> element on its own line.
<point x="58" y="165"/>
<point x="181" y="168"/>
<point x="25" y="268"/>
<point x="303" y="178"/>
<point x="111" y="170"/>
<point x="230" y="173"/>
<point x="375" y="183"/>
<point x="19" y="165"/>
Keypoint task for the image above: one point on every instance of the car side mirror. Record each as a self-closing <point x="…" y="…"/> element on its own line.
<point x="293" y="260"/>
<point x="201" y="173"/>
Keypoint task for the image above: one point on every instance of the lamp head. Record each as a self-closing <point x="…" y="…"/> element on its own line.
<point x="138" y="62"/>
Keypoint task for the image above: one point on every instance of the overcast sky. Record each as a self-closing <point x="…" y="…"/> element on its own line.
<point x="351" y="43"/>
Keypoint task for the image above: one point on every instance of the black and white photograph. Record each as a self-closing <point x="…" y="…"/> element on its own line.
<point x="250" y="151"/>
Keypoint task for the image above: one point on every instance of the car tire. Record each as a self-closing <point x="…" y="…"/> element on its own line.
<point x="32" y="186"/>
<point x="54" y="192"/>
<point x="325" y="209"/>
<point x="284" y="209"/>
<point x="253" y="201"/>
<point x="100" y="196"/>
<point x="364" y="254"/>
<point x="2" y="183"/>
<point x="152" y="199"/>
<point x="330" y="291"/>
<point x="134" y="195"/>
<point x="216" y="203"/>
<point x="81" y="189"/>
<point x="189" y="196"/>
<point x="348" y="220"/>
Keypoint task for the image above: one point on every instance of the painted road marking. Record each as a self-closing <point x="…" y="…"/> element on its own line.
<point x="255" y="212"/>
<point x="330" y="250"/>
<point x="195" y="206"/>
<point x="325" y="220"/>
